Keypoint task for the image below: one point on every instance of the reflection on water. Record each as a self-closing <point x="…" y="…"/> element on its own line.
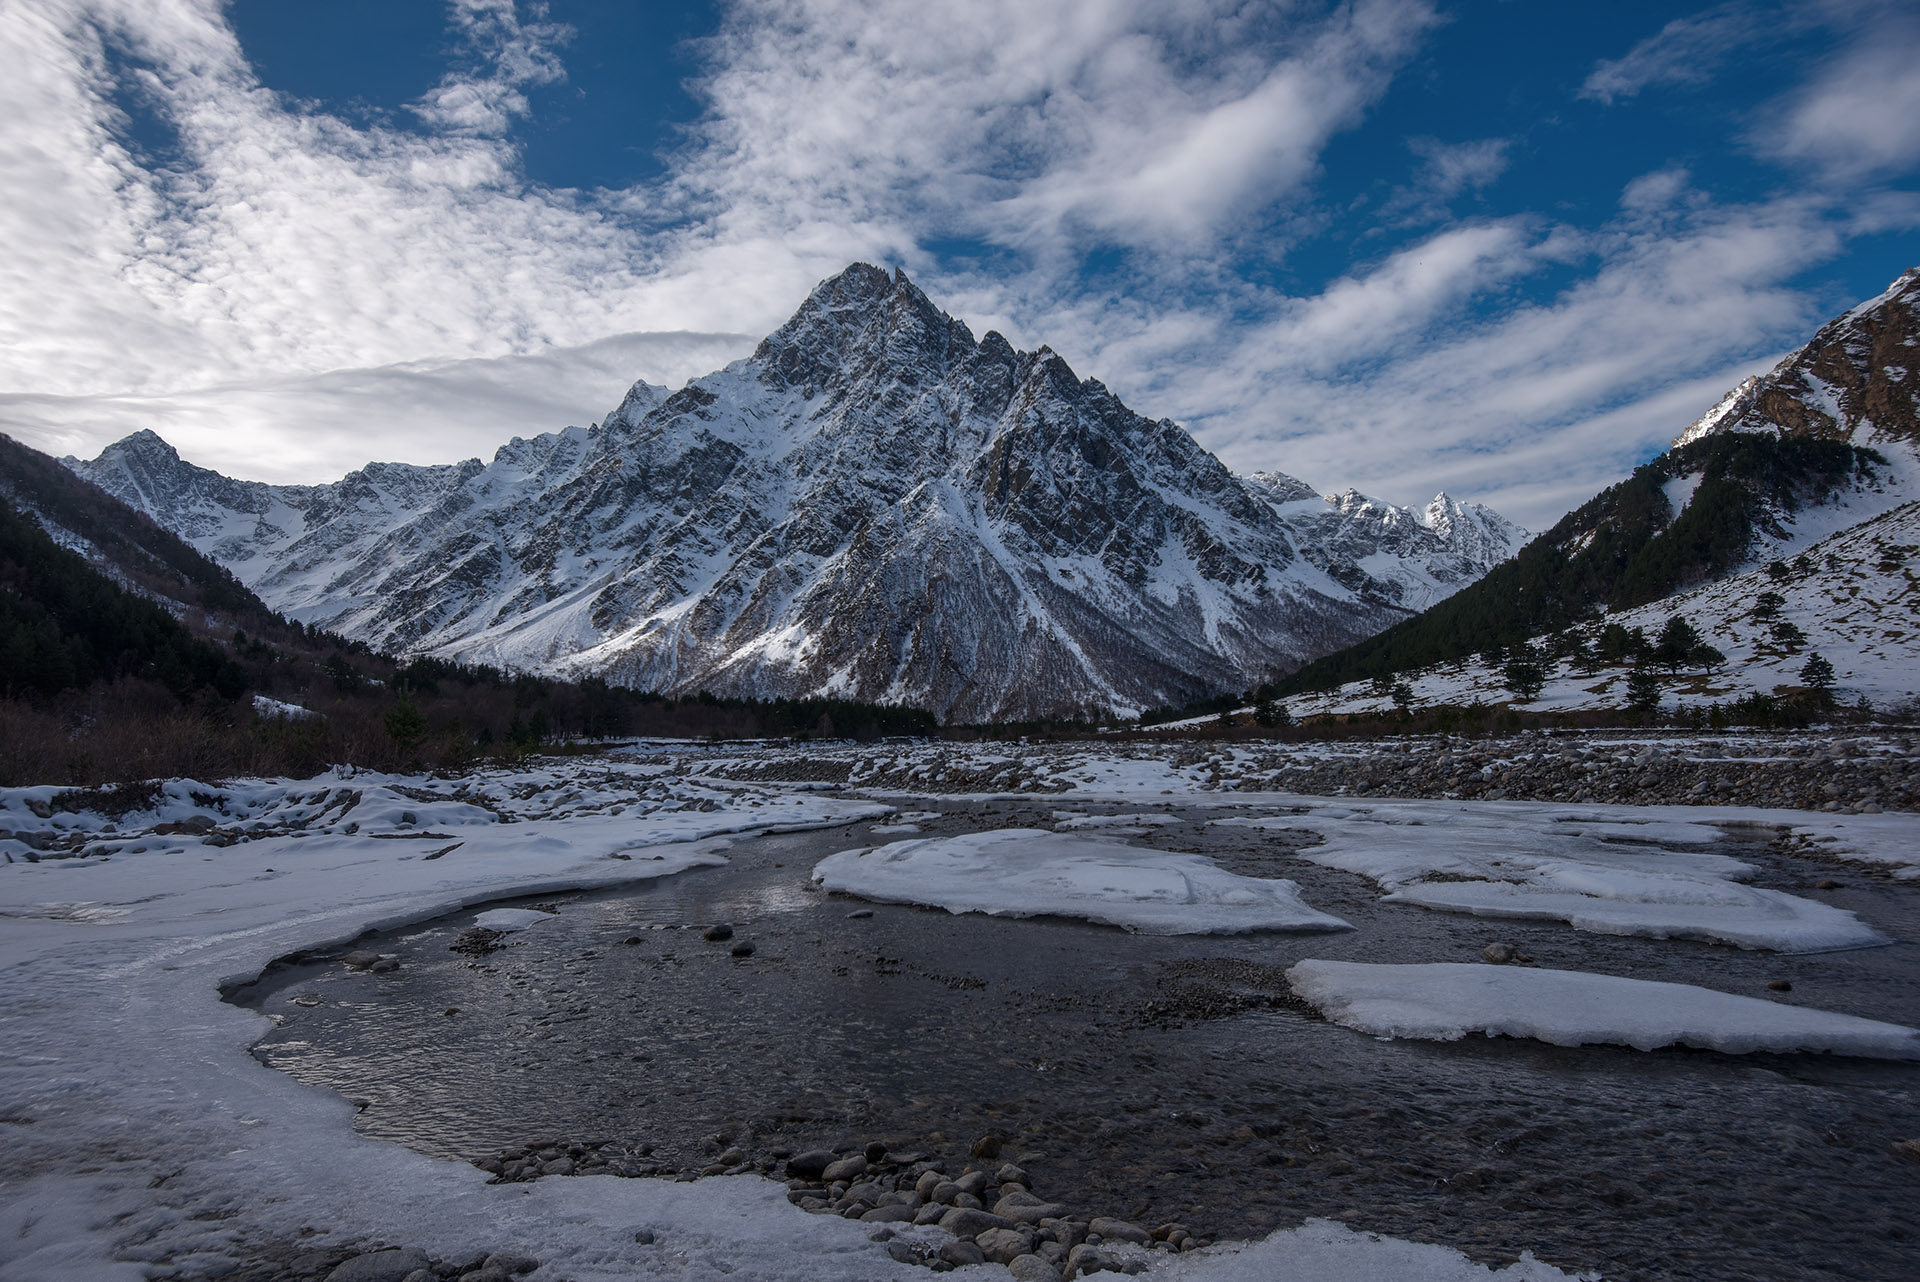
<point x="1155" y="1078"/>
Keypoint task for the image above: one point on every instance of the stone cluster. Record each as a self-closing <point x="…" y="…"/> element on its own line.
<point x="993" y="1215"/>
<point x="411" y="1264"/>
<point x="1861" y="775"/>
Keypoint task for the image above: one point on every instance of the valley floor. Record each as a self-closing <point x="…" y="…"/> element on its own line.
<point x="142" y="1140"/>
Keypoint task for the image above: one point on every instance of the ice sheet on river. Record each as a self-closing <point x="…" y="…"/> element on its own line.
<point x="1596" y="873"/>
<point x="1028" y="872"/>
<point x="1444" y="1001"/>
<point x="186" y="1153"/>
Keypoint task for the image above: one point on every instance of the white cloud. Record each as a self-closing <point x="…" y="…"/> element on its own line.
<point x="1401" y="381"/>
<point x="290" y="279"/>
<point x="1447" y="171"/>
<point x="1687" y="51"/>
<point x="1034" y="125"/>
<point x="325" y="425"/>
<point x="1860" y="115"/>
<point x="508" y="55"/>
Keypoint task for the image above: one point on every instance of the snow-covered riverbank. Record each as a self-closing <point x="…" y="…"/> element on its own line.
<point x="142" y="1140"/>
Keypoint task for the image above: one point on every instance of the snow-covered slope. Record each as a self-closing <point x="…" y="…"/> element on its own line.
<point x="1848" y="561"/>
<point x="874" y="504"/>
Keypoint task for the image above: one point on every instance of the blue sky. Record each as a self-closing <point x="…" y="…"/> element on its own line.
<point x="1508" y="249"/>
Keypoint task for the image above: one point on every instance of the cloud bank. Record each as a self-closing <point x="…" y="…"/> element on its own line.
<point x="286" y="295"/>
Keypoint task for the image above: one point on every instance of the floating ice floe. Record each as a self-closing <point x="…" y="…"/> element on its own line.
<point x="1549" y="864"/>
<point x="1027" y="872"/>
<point x="1445" y="1001"/>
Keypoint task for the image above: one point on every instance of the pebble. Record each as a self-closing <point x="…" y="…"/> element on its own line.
<point x="1084" y="1259"/>
<point x="859" y="914"/>
<point x="1498" y="954"/>
<point x="511" y="1262"/>
<point x="1780" y="985"/>
<point x="964" y="1221"/>
<point x="380" y="1266"/>
<point x="847" y="1168"/>
<point x="961" y="1253"/>
<point x="743" y="948"/>
<point x="1003" y="1246"/>
<point x="1025" y="1208"/>
<point x="717" y="933"/>
<point x="1032" y="1268"/>
<point x="1119" y="1230"/>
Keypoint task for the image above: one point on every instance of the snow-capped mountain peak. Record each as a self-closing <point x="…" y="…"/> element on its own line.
<point x="874" y="504"/>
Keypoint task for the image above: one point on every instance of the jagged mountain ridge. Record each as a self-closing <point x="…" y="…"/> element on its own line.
<point x="874" y="504"/>
<point x="1815" y="465"/>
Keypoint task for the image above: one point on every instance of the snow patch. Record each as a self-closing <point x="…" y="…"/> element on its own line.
<point x="1490" y="862"/>
<point x="1445" y="1001"/>
<point x="1028" y="872"/>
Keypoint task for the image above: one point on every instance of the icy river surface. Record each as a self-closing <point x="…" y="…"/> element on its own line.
<point x="1152" y="1077"/>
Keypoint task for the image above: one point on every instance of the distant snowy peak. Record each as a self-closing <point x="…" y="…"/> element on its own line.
<point x="1858" y="380"/>
<point x="1413" y="558"/>
<point x="874" y="504"/>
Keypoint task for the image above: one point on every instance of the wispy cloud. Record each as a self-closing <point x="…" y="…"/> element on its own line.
<point x="507" y="55"/>
<point x="1447" y="171"/>
<point x="1687" y="51"/>
<point x="1860" y="115"/>
<point x="1035" y="126"/>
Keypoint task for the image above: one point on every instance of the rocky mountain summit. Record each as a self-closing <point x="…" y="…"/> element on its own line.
<point x="875" y="504"/>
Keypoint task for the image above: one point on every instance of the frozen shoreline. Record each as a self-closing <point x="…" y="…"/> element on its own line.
<point x="99" y="954"/>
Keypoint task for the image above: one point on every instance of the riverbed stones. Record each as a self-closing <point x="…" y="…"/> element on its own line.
<point x="1032" y="1268"/>
<point x="1085" y="1259"/>
<point x="812" y="1164"/>
<point x="719" y="932"/>
<point x="1025" y="1208"/>
<point x="965" y="1221"/>
<point x="1119" y="1230"/>
<point x="380" y="1266"/>
<point x="1498" y="953"/>
<point x="1003" y="1246"/>
<point x="847" y="1168"/>
<point x="511" y="1262"/>
<point x="960" y="1252"/>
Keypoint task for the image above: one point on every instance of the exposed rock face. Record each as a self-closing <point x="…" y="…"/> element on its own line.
<point x="1858" y="380"/>
<point x="874" y="504"/>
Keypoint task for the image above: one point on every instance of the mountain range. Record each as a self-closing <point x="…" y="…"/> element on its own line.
<point x="873" y="505"/>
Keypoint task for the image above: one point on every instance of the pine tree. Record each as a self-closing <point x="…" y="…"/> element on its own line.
<point x="1817" y="674"/>
<point x="1402" y="697"/>
<point x="1643" y="692"/>
<point x="1524" y="674"/>
<point x="1677" y="641"/>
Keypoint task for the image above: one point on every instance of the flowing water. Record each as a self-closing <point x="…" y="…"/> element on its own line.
<point x="1154" y="1078"/>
